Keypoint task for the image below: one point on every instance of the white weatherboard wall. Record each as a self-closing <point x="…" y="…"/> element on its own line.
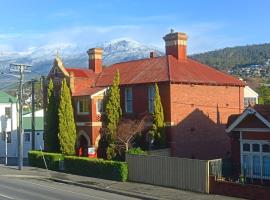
<point x="250" y="95"/>
<point x="8" y="125"/>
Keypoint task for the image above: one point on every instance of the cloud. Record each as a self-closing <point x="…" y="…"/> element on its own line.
<point x="202" y="36"/>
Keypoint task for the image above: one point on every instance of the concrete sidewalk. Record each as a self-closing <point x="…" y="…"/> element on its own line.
<point x="138" y="190"/>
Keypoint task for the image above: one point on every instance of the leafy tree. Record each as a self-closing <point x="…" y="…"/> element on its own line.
<point x="51" y="137"/>
<point x="158" y="128"/>
<point x="264" y="95"/>
<point x="67" y="129"/>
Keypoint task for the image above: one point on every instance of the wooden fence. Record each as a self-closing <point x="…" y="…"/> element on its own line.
<point x="182" y="173"/>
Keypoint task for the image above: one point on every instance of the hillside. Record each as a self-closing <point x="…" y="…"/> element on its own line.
<point x="241" y="56"/>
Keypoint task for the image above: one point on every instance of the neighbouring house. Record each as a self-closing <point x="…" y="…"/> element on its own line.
<point x="196" y="98"/>
<point x="8" y="125"/>
<point x="250" y="142"/>
<point x="250" y="97"/>
<point x="38" y="142"/>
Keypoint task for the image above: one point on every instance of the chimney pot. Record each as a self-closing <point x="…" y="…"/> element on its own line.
<point x="95" y="59"/>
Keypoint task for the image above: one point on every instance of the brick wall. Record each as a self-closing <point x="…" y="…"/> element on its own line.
<point x="247" y="191"/>
<point x="200" y="113"/>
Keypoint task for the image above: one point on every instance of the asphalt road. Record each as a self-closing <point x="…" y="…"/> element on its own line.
<point x="39" y="189"/>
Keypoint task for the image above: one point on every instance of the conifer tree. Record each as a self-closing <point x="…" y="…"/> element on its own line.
<point x="67" y="129"/>
<point x="113" y="113"/>
<point x="113" y="110"/>
<point x="51" y="137"/>
<point x="158" y="120"/>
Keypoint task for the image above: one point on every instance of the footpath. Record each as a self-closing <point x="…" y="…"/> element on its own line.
<point x="137" y="190"/>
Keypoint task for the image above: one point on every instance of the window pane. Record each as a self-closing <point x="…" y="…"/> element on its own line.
<point x="246" y="165"/>
<point x="100" y="106"/>
<point x="8" y="137"/>
<point x="128" y="100"/>
<point x="255" y="147"/>
<point x="8" y="112"/>
<point x="27" y="137"/>
<point x="266" y="148"/>
<point x="246" y="147"/>
<point x="256" y="165"/>
<point x="266" y="166"/>
<point x="151" y="96"/>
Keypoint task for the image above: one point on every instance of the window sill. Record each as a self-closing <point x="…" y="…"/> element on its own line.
<point x="83" y="113"/>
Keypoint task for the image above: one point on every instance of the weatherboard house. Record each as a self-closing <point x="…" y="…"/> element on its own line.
<point x="197" y="99"/>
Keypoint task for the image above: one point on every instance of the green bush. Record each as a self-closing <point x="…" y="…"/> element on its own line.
<point x="99" y="168"/>
<point x="137" y="151"/>
<point x="35" y="159"/>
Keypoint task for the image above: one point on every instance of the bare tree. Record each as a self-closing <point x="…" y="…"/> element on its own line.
<point x="126" y="131"/>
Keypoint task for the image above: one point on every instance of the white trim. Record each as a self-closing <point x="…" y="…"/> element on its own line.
<point x="99" y="93"/>
<point x="88" y="123"/>
<point x="252" y="129"/>
<point x="248" y="111"/>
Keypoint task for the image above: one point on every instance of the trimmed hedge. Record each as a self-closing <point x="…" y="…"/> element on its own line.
<point x="99" y="168"/>
<point x="52" y="159"/>
<point x="137" y="151"/>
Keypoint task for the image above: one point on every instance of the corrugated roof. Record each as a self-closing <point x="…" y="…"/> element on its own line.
<point x="6" y="98"/>
<point x="151" y="70"/>
<point x="39" y="123"/>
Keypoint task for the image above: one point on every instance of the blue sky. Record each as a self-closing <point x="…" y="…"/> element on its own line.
<point x="210" y="24"/>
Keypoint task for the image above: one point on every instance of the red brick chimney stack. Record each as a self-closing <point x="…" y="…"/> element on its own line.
<point x="95" y="59"/>
<point x="176" y="45"/>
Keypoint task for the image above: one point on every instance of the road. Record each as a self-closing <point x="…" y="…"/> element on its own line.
<point x="20" y="188"/>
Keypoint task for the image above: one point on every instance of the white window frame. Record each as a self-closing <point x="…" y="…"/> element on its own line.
<point x="151" y="98"/>
<point x="128" y="100"/>
<point x="78" y="106"/>
<point x="251" y="154"/>
<point x="102" y="105"/>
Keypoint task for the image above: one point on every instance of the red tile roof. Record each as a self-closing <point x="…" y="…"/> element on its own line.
<point x="150" y="70"/>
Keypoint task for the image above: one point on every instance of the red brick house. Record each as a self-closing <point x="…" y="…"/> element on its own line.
<point x="196" y="98"/>
<point x="250" y="141"/>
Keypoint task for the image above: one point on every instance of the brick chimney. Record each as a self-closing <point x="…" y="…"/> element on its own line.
<point x="95" y="59"/>
<point x="176" y="45"/>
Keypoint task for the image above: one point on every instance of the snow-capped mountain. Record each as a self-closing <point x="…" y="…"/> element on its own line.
<point x="73" y="55"/>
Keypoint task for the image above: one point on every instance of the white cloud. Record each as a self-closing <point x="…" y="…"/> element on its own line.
<point x="202" y="36"/>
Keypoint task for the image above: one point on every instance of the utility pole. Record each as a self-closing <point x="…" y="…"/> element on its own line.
<point x="33" y="115"/>
<point x="21" y="68"/>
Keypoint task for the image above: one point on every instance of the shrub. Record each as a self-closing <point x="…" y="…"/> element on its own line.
<point x="99" y="168"/>
<point x="137" y="151"/>
<point x="52" y="159"/>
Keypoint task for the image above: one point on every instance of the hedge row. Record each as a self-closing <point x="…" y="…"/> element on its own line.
<point x="99" y="168"/>
<point x="113" y="170"/>
<point x="35" y="159"/>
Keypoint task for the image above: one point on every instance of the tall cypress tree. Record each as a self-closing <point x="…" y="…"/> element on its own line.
<point x="67" y="129"/>
<point x="113" y="111"/>
<point x="158" y="120"/>
<point x="51" y="137"/>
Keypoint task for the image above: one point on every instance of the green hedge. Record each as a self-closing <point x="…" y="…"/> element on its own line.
<point x="113" y="170"/>
<point x="137" y="151"/>
<point x="52" y="159"/>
